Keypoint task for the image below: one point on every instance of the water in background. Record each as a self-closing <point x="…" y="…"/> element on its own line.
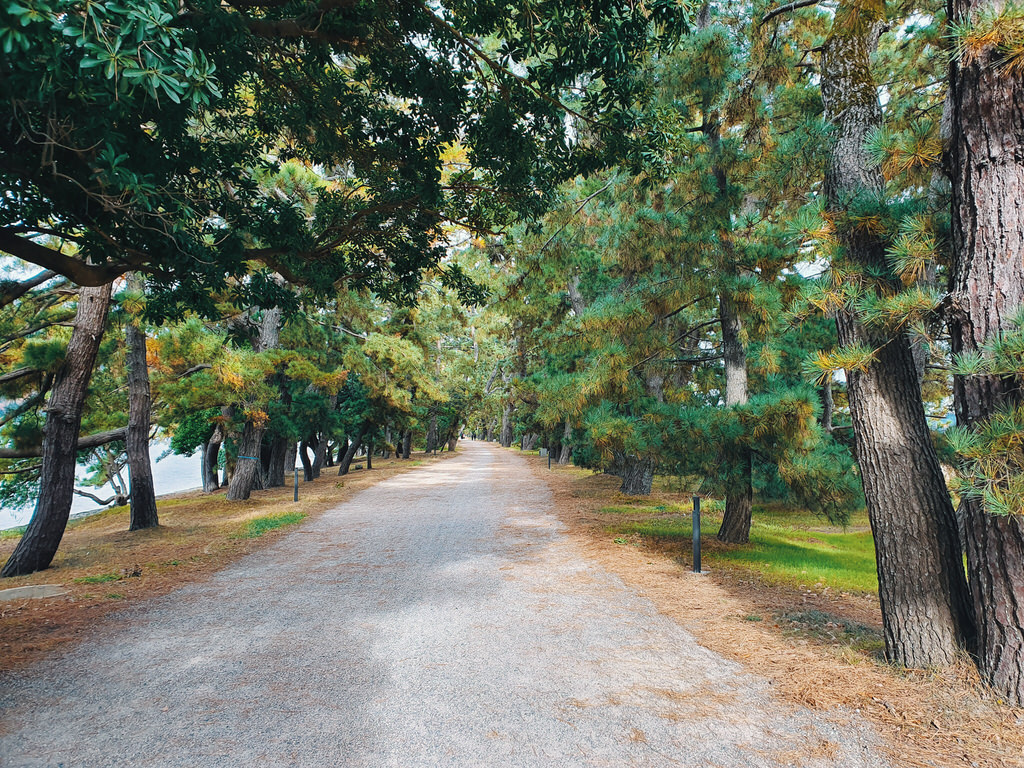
<point x="173" y="473"/>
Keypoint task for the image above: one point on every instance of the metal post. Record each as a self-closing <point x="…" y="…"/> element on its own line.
<point x="549" y="458"/>
<point x="296" y="471"/>
<point x="696" y="534"/>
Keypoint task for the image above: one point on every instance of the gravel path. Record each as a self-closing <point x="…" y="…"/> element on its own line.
<point x="440" y="618"/>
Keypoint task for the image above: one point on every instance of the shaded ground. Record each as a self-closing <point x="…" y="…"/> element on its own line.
<point x="105" y="568"/>
<point x="439" y="618"/>
<point x="817" y="647"/>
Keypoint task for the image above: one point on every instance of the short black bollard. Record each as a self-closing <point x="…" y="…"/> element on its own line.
<point x="696" y="534"/>
<point x="296" y="470"/>
<point x="549" y="458"/>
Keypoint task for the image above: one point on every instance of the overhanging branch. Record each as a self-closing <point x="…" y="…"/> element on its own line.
<point x="84" y="443"/>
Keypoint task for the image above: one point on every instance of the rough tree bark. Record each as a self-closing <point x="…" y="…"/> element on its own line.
<point x="432" y="436"/>
<point x="247" y="470"/>
<point x="320" y="455"/>
<point x="209" y="467"/>
<point x="142" y="504"/>
<point x="506" y="426"/>
<point x="922" y="589"/>
<point x="566" y="450"/>
<point x="986" y="168"/>
<point x="39" y="544"/>
<point x="279" y="450"/>
<point x="407" y="444"/>
<point x="739" y="500"/>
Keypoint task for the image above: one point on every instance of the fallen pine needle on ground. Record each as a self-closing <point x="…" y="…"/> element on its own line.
<point x="819" y="647"/>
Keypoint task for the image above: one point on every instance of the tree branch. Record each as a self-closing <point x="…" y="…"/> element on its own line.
<point x="95" y="498"/>
<point x="84" y="443"/>
<point x="13" y="291"/>
<point x="74" y="270"/>
<point x="787" y="9"/>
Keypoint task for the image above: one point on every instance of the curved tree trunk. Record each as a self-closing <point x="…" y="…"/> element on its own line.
<point x="925" y="607"/>
<point x="307" y="464"/>
<point x="143" y="512"/>
<point x="987" y="172"/>
<point x="346" y="461"/>
<point x="211" y="453"/>
<point x="39" y="544"/>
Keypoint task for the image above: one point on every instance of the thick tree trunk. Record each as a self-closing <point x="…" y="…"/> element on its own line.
<point x="278" y="460"/>
<point x="407" y="444"/>
<point x="143" y="513"/>
<point x="346" y="461"/>
<point x="319" y="455"/>
<point x="739" y="499"/>
<point x="39" y="544"/>
<point x="506" y="426"/>
<point x="529" y="441"/>
<point x="986" y="163"/>
<point x="432" y="436"/>
<point x="925" y="608"/>
<point x="247" y="472"/>
<point x="369" y="454"/>
<point x="566" y="449"/>
<point x="637" y="475"/>
<point x="452" y="442"/>
<point x="247" y="466"/>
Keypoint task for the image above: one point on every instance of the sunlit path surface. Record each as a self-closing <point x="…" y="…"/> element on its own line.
<point x="438" y="619"/>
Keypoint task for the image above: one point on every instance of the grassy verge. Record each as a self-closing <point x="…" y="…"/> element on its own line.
<point x="787" y="546"/>
<point x="102" y="566"/>
<point x="261" y="525"/>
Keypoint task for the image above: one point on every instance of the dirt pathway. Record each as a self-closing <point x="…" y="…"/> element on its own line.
<point x="440" y="618"/>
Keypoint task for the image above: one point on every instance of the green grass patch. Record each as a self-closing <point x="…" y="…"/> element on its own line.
<point x="797" y="549"/>
<point x="13" y="533"/>
<point x="260" y="525"/>
<point x="100" y="579"/>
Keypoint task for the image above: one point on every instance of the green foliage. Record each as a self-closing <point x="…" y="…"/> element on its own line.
<point x="147" y="107"/>
<point x="193" y="431"/>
